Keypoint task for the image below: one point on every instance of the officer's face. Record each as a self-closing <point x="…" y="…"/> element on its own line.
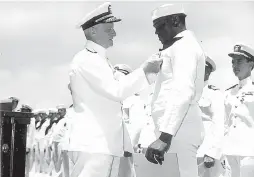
<point x="164" y="30"/>
<point x="208" y="71"/>
<point x="241" y="66"/>
<point x="105" y="33"/>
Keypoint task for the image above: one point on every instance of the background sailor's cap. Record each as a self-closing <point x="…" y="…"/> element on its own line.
<point x="210" y="62"/>
<point x="102" y="14"/>
<point x="123" y="68"/>
<point x="53" y="110"/>
<point x="14" y="98"/>
<point x="25" y="106"/>
<point x="166" y="10"/>
<point x="36" y="111"/>
<point x="41" y="111"/>
<point x="60" y="106"/>
<point x="244" y="50"/>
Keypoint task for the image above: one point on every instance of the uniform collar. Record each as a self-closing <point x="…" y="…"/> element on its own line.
<point x="183" y="33"/>
<point x="245" y="81"/>
<point x="90" y="45"/>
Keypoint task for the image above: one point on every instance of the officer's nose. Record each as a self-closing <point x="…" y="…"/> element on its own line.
<point x="113" y="33"/>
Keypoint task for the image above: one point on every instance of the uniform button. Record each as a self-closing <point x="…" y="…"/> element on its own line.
<point x="234" y="126"/>
<point x="235" y="106"/>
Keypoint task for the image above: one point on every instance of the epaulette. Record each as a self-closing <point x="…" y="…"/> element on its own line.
<point x="231" y="87"/>
<point x="252" y="83"/>
<point x="213" y="87"/>
<point x="90" y="50"/>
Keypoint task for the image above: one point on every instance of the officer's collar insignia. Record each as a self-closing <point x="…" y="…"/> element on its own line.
<point x="213" y="87"/>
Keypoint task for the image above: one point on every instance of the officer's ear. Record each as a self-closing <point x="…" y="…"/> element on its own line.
<point x="252" y="65"/>
<point x="93" y="30"/>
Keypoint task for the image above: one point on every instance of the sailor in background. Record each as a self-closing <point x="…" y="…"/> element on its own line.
<point x="239" y="109"/>
<point x="134" y="118"/>
<point x="29" y="140"/>
<point x="39" y="162"/>
<point x="58" y="142"/>
<point x="211" y="104"/>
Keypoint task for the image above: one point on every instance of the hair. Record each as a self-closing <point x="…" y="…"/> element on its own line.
<point x="250" y="60"/>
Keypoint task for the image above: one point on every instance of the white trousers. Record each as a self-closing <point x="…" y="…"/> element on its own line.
<point x="241" y="166"/>
<point x="127" y="168"/>
<point x="186" y="154"/>
<point x="94" y="165"/>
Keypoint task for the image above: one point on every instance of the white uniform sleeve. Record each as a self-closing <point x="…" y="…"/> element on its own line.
<point x="180" y="90"/>
<point x="217" y="129"/>
<point x="30" y="134"/>
<point x="99" y="76"/>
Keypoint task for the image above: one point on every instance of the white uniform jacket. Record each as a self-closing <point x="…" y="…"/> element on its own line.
<point x="212" y="107"/>
<point x="239" y="107"/>
<point x="97" y="125"/>
<point x="178" y="88"/>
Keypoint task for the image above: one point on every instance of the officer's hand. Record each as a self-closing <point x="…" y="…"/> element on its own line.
<point x="208" y="161"/>
<point x="152" y="65"/>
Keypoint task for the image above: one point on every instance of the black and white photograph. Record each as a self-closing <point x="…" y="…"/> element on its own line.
<point x="126" y="88"/>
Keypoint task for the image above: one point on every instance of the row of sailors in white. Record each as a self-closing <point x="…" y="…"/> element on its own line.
<point x="47" y="143"/>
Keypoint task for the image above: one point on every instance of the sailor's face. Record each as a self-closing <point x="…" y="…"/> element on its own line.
<point x="61" y="112"/>
<point x="208" y="71"/>
<point x="164" y="30"/>
<point x="37" y="118"/>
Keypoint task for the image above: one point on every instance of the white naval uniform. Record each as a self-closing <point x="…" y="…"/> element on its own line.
<point x="96" y="136"/>
<point x="61" y="143"/>
<point x="43" y="145"/>
<point x="175" y="107"/>
<point x="211" y="104"/>
<point x="137" y="117"/>
<point x="29" y="145"/>
<point x="238" y="141"/>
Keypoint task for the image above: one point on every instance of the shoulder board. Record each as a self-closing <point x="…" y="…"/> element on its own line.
<point x="231" y="87"/>
<point x="213" y="87"/>
<point x="90" y="50"/>
<point x="252" y="83"/>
